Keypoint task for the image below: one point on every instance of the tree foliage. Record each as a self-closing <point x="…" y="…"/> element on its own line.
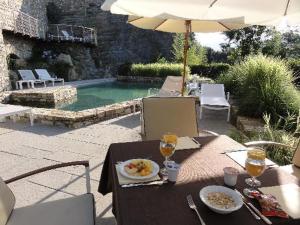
<point x="196" y="53"/>
<point x="261" y="39"/>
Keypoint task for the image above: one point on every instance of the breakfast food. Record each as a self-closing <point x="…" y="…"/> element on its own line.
<point x="139" y="167"/>
<point x="220" y="200"/>
<point x="270" y="206"/>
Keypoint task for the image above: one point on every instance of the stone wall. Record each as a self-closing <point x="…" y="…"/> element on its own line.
<point x="118" y="42"/>
<point x="17" y="44"/>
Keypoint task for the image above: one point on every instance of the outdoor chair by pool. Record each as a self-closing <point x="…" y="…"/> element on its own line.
<point x="169" y="114"/>
<point x="29" y="78"/>
<point x="212" y="96"/>
<point x="45" y="76"/>
<point x="293" y="168"/>
<point x="171" y="87"/>
<point x="13" y="110"/>
<point x="77" y="210"/>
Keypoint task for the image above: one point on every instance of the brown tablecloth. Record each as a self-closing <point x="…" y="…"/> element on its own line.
<point x="167" y="204"/>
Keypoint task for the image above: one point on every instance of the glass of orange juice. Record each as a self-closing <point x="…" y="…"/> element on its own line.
<point x="255" y="166"/>
<point x="167" y="149"/>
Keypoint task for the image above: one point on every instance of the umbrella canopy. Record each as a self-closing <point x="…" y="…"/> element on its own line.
<point x="178" y="25"/>
<point x="256" y="12"/>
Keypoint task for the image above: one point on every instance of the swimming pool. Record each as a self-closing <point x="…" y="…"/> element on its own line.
<point x="108" y="93"/>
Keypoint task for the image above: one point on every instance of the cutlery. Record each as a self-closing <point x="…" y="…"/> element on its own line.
<point x="158" y="182"/>
<point x="193" y="206"/>
<point x="194" y="140"/>
<point x="265" y="219"/>
<point x="249" y="209"/>
<point x="238" y="150"/>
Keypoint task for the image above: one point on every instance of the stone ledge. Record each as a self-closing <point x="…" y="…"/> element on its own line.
<point x="49" y="97"/>
<point x="248" y="125"/>
<point x="82" y="118"/>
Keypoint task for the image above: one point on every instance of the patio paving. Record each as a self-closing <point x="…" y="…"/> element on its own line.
<point x="25" y="148"/>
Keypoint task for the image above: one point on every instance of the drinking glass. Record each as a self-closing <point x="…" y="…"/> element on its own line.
<point x="167" y="149"/>
<point x="255" y="166"/>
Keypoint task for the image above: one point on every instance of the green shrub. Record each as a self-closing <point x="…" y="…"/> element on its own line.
<point x="212" y="70"/>
<point x="262" y="85"/>
<point x="295" y="66"/>
<point x="152" y="70"/>
<point x="277" y="133"/>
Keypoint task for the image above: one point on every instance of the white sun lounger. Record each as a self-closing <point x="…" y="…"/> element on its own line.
<point x="212" y="96"/>
<point x="45" y="76"/>
<point x="13" y="110"/>
<point x="29" y="78"/>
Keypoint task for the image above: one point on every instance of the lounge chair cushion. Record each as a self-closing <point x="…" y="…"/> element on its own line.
<point x="296" y="158"/>
<point x="169" y="114"/>
<point x="77" y="210"/>
<point x="215" y="101"/>
<point x="7" y="202"/>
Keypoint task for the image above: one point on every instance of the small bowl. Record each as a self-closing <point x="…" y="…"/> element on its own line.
<point x="234" y="195"/>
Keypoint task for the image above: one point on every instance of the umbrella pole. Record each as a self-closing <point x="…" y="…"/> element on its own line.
<point x="185" y="51"/>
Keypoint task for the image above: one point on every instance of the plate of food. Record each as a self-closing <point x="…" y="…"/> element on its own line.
<point x="139" y="169"/>
<point x="221" y="199"/>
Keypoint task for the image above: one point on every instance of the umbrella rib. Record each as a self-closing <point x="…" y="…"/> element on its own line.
<point x="129" y="21"/>
<point x="287" y="7"/>
<point x="224" y="25"/>
<point x="160" y="24"/>
<point x="212" y="4"/>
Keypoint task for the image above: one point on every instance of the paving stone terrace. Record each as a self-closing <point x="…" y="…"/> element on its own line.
<point x="49" y="97"/>
<point x="25" y="148"/>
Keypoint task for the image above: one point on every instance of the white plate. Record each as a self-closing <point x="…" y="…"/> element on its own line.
<point x="125" y="174"/>
<point x="233" y="194"/>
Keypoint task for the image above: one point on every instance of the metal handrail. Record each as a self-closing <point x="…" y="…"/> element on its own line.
<point x="74" y="33"/>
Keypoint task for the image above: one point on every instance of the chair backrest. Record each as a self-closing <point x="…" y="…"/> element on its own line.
<point x="43" y="74"/>
<point x="296" y="157"/>
<point x="169" y="114"/>
<point x="7" y="202"/>
<point x="212" y="90"/>
<point x="172" y="84"/>
<point x="26" y="75"/>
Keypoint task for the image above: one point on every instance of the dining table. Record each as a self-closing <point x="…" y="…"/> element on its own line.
<point x="167" y="204"/>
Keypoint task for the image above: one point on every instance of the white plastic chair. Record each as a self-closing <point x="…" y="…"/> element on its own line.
<point x="212" y="96"/>
<point x="28" y="77"/>
<point x="45" y="76"/>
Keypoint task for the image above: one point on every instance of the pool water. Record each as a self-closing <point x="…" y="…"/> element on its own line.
<point x="108" y="93"/>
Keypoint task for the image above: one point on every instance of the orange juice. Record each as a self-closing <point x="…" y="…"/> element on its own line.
<point x="167" y="150"/>
<point x="255" y="169"/>
<point x="170" y="138"/>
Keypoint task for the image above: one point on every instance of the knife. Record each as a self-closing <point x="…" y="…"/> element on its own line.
<point x="264" y="218"/>
<point x="158" y="182"/>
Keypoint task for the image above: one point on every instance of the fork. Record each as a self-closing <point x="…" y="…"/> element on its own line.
<point x="193" y="206"/>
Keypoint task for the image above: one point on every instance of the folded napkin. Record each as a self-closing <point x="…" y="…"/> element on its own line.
<point x="241" y="156"/>
<point x="288" y="196"/>
<point x="186" y="143"/>
<point x="124" y="180"/>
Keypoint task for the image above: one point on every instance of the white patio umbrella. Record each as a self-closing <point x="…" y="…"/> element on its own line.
<point x="256" y="12"/>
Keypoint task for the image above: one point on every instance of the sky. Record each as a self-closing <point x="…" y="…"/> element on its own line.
<point x="212" y="40"/>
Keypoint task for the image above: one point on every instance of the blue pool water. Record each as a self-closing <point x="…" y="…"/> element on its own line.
<point x="107" y="93"/>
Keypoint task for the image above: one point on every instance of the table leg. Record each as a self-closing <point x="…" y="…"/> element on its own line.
<point x="14" y="118"/>
<point x="17" y="85"/>
<point x="20" y="85"/>
<point x="31" y="118"/>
